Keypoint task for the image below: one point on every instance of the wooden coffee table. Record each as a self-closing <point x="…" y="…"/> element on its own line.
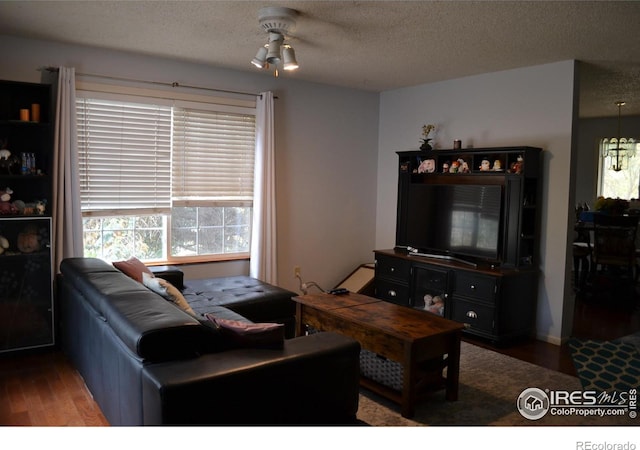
<point x="423" y="343"/>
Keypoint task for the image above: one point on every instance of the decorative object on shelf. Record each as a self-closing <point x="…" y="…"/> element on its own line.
<point x="426" y="130"/>
<point x="41" y="206"/>
<point x="497" y="166"/>
<point x="427" y="166"/>
<point x="434" y="304"/>
<point x="24" y="115"/>
<point x="4" y="244"/>
<point x="485" y="165"/>
<point x="5" y="202"/>
<point x="457" y="166"/>
<point x="618" y="149"/>
<point x="28" y="163"/>
<point x="518" y="165"/>
<point x="9" y="165"/>
<point x="457" y="144"/>
<point x="29" y="239"/>
<point x="35" y="112"/>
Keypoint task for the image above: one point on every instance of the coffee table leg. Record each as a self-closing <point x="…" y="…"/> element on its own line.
<point x="453" y="368"/>
<point x="299" y="324"/>
<point x="408" y="384"/>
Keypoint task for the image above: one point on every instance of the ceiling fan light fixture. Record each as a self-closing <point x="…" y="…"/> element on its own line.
<point x="289" y="55"/>
<point x="275" y="44"/>
<point x="260" y="60"/>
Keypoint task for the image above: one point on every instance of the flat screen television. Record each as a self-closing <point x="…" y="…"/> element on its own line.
<point x="455" y="220"/>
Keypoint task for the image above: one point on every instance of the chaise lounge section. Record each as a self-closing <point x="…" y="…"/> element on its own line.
<point x="148" y="362"/>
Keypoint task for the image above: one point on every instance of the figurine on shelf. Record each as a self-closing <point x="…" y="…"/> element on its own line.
<point x="6" y="207"/>
<point x="497" y="166"/>
<point x="427" y="166"/>
<point x="41" y="206"/>
<point x="445" y="167"/>
<point x="485" y="165"/>
<point x="9" y="165"/>
<point x="518" y="165"/>
<point x="4" y="244"/>
<point x="434" y="304"/>
<point x="455" y="165"/>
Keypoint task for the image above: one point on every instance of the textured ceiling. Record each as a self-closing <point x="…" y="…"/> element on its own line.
<point x="370" y="45"/>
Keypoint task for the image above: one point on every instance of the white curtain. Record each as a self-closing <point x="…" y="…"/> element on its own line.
<point x="263" y="239"/>
<point x="67" y="218"/>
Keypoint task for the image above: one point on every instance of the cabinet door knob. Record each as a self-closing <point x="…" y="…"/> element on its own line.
<point x="473" y="287"/>
<point x="472" y="314"/>
<point x="393" y="269"/>
<point x="392" y="293"/>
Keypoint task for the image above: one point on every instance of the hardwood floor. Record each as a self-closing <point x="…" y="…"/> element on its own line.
<point x="43" y="389"/>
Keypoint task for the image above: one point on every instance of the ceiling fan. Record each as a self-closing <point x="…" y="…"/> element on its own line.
<point x="278" y="22"/>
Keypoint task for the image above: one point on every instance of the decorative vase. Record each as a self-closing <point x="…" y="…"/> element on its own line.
<point x="425" y="147"/>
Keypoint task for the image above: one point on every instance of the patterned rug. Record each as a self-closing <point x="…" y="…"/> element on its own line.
<point x="606" y="366"/>
<point x="490" y="384"/>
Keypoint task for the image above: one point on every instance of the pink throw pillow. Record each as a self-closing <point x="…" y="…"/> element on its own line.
<point x="132" y="267"/>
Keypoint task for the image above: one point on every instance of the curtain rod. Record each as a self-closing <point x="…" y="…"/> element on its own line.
<point x="173" y="84"/>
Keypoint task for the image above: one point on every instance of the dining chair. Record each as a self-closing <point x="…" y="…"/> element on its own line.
<point x="614" y="243"/>
<point x="582" y="249"/>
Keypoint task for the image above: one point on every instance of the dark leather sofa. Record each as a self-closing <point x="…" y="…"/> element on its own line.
<point x="147" y="362"/>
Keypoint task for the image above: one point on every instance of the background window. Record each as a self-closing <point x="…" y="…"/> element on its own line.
<point x="625" y="183"/>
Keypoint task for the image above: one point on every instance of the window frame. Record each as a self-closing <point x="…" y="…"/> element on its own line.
<point x="180" y="100"/>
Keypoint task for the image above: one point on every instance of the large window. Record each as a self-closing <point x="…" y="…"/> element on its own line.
<point x="625" y="183"/>
<point x="165" y="180"/>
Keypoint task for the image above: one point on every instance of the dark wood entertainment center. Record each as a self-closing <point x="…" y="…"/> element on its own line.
<point x="468" y="236"/>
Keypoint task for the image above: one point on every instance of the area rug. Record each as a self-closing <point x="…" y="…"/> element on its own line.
<point x="606" y="366"/>
<point x="490" y="384"/>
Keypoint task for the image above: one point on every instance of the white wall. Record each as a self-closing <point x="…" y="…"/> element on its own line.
<point x="326" y="139"/>
<point x="531" y="106"/>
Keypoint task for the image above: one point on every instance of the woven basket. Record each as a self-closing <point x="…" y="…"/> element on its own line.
<point x="382" y="370"/>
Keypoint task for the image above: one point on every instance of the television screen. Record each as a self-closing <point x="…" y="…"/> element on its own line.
<point x="452" y="219"/>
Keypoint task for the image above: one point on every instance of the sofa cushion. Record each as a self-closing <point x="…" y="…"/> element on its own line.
<point x="133" y="267"/>
<point x="251" y="298"/>
<point x="167" y="291"/>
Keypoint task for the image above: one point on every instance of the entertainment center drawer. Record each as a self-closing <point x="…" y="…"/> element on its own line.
<point x="477" y="316"/>
<point x="393" y="268"/>
<point x="475" y="286"/>
<point x="392" y="292"/>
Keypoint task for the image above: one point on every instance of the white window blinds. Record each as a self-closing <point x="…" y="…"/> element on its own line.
<point x="213" y="158"/>
<point x="124" y="156"/>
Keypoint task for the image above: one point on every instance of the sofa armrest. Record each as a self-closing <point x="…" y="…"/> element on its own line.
<point x="311" y="380"/>
<point x="170" y="273"/>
